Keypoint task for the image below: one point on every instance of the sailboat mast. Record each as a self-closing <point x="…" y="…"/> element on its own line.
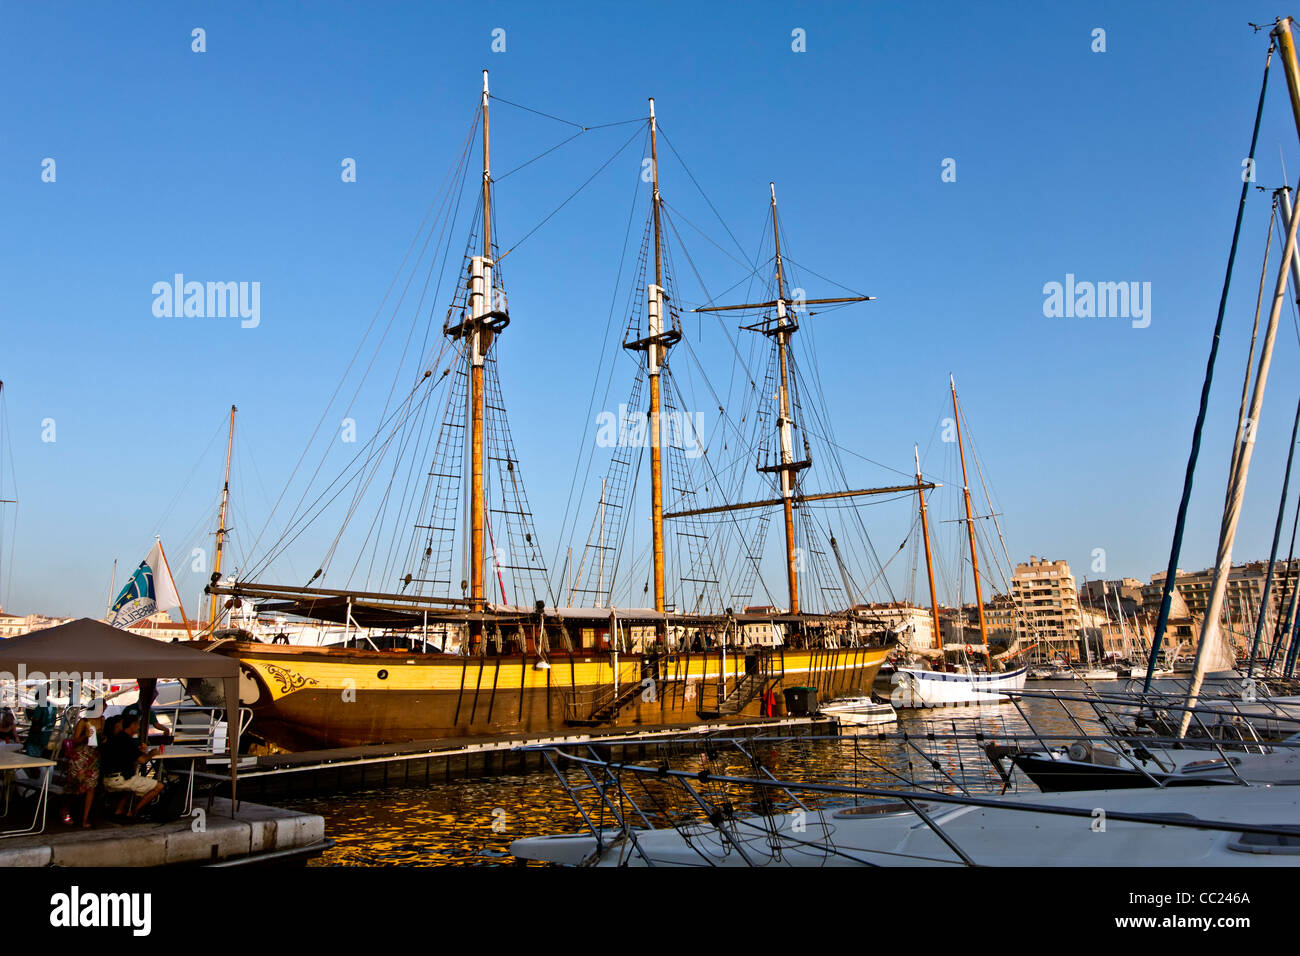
<point x="929" y="566"/>
<point x="783" y="422"/>
<point x="655" y="342"/>
<point x="479" y="340"/>
<point x="221" y="522"/>
<point x="1213" y="651"/>
<point x="970" y="520"/>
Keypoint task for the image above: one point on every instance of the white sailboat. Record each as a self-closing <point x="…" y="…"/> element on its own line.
<point x="915" y="687"/>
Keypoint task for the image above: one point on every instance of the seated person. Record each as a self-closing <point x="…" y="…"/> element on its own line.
<point x="8" y="726"/>
<point x="134" y="710"/>
<point x="120" y="757"/>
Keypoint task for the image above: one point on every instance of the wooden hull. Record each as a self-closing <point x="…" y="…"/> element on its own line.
<point x="310" y="698"/>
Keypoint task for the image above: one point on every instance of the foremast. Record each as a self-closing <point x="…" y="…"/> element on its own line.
<point x="482" y="321"/>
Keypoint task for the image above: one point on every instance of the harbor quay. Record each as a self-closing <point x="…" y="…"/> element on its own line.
<point x="253" y="833"/>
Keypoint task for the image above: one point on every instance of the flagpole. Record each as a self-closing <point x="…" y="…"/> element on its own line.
<point x="112" y="587"/>
<point x="180" y="602"/>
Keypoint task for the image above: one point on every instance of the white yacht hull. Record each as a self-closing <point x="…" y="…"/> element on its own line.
<point x="880" y="834"/>
<point x="859" y="712"/>
<point x="918" y="688"/>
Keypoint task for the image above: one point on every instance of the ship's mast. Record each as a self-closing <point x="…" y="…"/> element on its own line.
<point x="788" y="465"/>
<point x="929" y="566"/>
<point x="221" y="522"/>
<point x="655" y="341"/>
<point x="970" y="521"/>
<point x="479" y="339"/>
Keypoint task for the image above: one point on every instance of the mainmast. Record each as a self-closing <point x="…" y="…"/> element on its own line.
<point x="221" y="523"/>
<point x="970" y="521"/>
<point x="656" y="344"/>
<point x="929" y="566"/>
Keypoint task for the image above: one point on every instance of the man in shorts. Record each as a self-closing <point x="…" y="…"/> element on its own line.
<point x="120" y="757"/>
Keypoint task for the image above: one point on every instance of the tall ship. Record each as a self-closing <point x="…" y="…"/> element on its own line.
<point x="677" y="629"/>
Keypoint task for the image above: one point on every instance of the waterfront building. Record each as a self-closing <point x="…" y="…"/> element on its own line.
<point x="914" y="625"/>
<point x="161" y="627"/>
<point x="1047" y="601"/>
<point x="12" y="625"/>
<point x="1245" y="593"/>
<point x="1097" y="592"/>
<point x="961" y="626"/>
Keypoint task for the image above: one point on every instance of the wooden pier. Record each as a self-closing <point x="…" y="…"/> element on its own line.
<point x="422" y="763"/>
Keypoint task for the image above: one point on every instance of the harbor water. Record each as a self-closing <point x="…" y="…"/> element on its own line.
<point x="473" y="822"/>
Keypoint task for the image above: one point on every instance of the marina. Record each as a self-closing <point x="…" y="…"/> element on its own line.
<point x="650" y="440"/>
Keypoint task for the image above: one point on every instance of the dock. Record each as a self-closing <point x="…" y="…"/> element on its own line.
<point x="255" y="834"/>
<point x="422" y="763"/>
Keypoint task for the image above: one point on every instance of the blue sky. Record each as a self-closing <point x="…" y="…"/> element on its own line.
<point x="225" y="165"/>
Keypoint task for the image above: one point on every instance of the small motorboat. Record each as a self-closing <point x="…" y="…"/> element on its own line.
<point x="859" y="711"/>
<point x="919" y="688"/>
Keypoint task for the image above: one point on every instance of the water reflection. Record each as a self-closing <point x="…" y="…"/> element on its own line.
<point x="473" y="822"/>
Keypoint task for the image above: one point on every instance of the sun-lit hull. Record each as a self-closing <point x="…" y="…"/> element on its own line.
<point x="309" y="698"/>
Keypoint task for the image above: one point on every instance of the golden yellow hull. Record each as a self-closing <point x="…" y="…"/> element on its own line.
<point x="308" y="698"/>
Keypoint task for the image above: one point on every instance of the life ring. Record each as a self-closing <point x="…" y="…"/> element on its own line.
<point x="970" y="649"/>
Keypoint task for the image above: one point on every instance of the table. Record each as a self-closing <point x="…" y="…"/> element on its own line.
<point x="181" y="752"/>
<point x="11" y="763"/>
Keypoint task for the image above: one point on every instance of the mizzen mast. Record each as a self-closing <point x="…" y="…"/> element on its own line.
<point x="655" y="317"/>
<point x="787" y="467"/>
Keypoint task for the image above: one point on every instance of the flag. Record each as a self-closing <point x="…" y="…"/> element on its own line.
<point x="149" y="590"/>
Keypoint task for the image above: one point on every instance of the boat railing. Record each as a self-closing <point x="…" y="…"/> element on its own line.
<point x="617" y="821"/>
<point x="199" y="725"/>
